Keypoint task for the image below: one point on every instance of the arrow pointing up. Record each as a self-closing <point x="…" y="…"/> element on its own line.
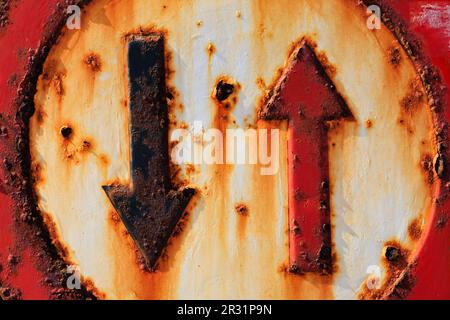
<point x="308" y="99"/>
<point x="149" y="207"/>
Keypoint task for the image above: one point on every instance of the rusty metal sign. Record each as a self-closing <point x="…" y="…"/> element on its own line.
<point x="224" y="150"/>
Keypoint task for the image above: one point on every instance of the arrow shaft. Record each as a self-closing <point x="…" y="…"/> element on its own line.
<point x="148" y="114"/>
<point x="308" y="99"/>
<point x="309" y="210"/>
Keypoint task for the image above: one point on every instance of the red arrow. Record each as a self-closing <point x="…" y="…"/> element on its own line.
<point x="308" y="99"/>
<point x="149" y="208"/>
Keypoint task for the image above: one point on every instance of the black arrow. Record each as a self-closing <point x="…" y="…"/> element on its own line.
<point x="149" y="207"/>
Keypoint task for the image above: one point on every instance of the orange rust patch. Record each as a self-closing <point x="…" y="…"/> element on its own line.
<point x="427" y="168"/>
<point x="40" y="115"/>
<point x="114" y="217"/>
<point x="395" y="56"/>
<point x="66" y="132"/>
<point x="37" y="174"/>
<point x="414" y="96"/>
<point x="241" y="209"/>
<point x="261" y="84"/>
<point x="190" y="169"/>
<point x="104" y="160"/>
<point x="397" y="281"/>
<point x="210" y="50"/>
<point x="92" y="60"/>
<point x="86" y="145"/>
<point x="415" y="229"/>
<point x="58" y="84"/>
<point x="369" y="124"/>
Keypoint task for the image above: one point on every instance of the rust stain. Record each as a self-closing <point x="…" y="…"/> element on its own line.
<point x="242" y="221"/>
<point x="415" y="229"/>
<point x="398" y="280"/>
<point x="395" y="56"/>
<point x="414" y="96"/>
<point x="114" y="217"/>
<point x="210" y="50"/>
<point x="241" y="209"/>
<point x="93" y="62"/>
<point x="427" y="168"/>
<point x="40" y="115"/>
<point x="66" y="131"/>
<point x="58" y="84"/>
<point x="369" y="123"/>
<point x="8" y="293"/>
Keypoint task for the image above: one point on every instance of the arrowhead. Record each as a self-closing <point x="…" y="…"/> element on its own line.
<point x="304" y="90"/>
<point x="150" y="222"/>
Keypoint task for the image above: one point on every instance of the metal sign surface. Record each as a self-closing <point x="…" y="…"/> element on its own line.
<point x="201" y="149"/>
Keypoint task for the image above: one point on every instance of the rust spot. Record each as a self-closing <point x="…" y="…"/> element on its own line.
<point x="427" y="166"/>
<point x="38" y="175"/>
<point x="66" y="132"/>
<point x="398" y="280"/>
<point x="190" y="169"/>
<point x="40" y="116"/>
<point x="238" y="14"/>
<point x="7" y="293"/>
<point x="223" y="90"/>
<point x="115" y="219"/>
<point x="241" y="209"/>
<point x="415" y="229"/>
<point x="224" y="94"/>
<point x="413" y="97"/>
<point x="199" y="23"/>
<point x="283" y="268"/>
<point x="86" y="145"/>
<point x="92" y="60"/>
<point x="369" y="124"/>
<point x="104" y="160"/>
<point x="395" y="56"/>
<point x="210" y="50"/>
<point x="58" y="84"/>
<point x="260" y="83"/>
<point x="392" y="253"/>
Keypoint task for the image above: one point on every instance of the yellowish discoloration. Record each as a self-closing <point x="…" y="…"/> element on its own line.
<point x="376" y="180"/>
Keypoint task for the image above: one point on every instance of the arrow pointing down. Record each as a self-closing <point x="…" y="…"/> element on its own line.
<point x="149" y="208"/>
<point x="308" y="99"/>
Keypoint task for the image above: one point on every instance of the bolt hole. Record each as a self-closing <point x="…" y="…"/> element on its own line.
<point x="66" y="132"/>
<point x="223" y="90"/>
<point x="392" y="253"/>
